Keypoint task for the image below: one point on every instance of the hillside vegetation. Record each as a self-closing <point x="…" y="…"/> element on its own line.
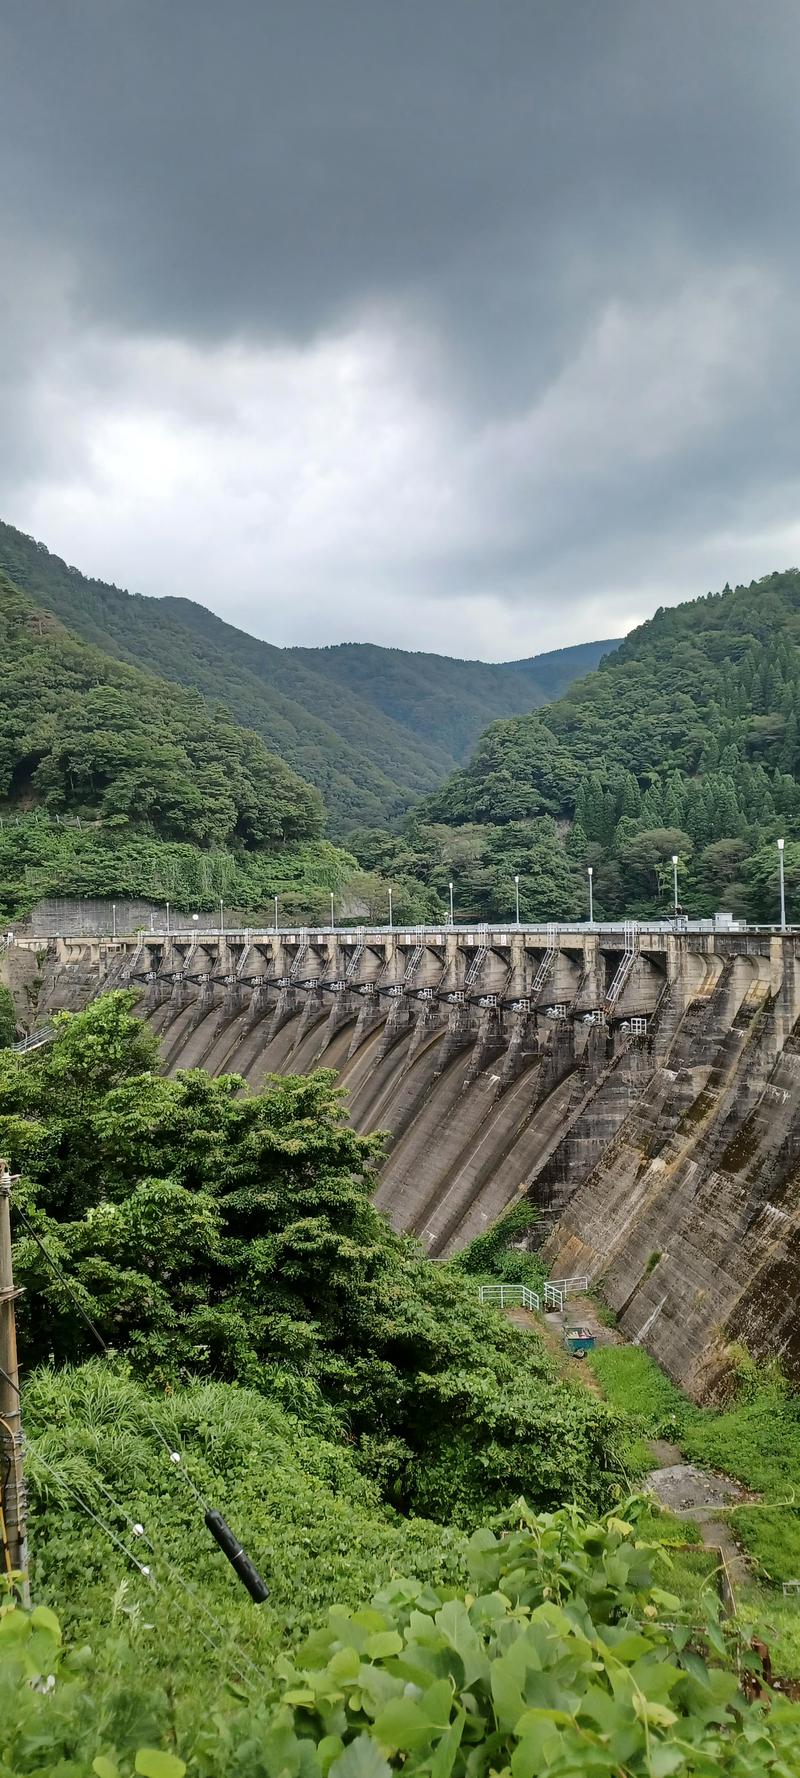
<point x="685" y="741"/>
<point x="324" y="1386"/>
<point x="114" y="783"/>
<point x="225" y="1234"/>
<point x="82" y="734"/>
<point x="372" y="728"/>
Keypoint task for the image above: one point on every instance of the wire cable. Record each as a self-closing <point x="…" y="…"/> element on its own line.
<point x="159" y="1555"/>
<point x="175" y="1457"/>
<point x="107" y="1529"/>
<point x="145" y="1569"/>
<point x="139" y="1531"/>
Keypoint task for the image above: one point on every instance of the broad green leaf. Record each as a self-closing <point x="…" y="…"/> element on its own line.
<point x="402" y="1724"/>
<point x="453" y="1623"/>
<point x="659" y="1716"/>
<point x="383" y="1644"/>
<point x="153" y="1762"/>
<point x="344" y="1665"/>
<point x="362" y="1759"/>
<point x="509" y="1703"/>
<point x="104" y="1767"/>
<point x="664" y="1760"/>
<point x="42" y="1618"/>
<point x="538" y="1749"/>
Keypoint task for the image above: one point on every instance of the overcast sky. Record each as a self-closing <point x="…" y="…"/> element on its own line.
<point x="458" y="324"/>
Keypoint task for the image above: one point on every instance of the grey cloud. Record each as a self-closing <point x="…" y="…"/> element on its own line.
<point x="494" y="179"/>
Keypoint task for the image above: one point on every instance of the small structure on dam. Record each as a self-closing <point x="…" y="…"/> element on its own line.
<point x="640" y="1084"/>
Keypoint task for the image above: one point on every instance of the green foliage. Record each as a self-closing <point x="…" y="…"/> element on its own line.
<point x="778" y="1621"/>
<point x="83" y="734"/>
<point x="39" y="858"/>
<point x="635" y="1383"/>
<point x="756" y="1438"/>
<point x="684" y="741"/>
<point x="372" y="728"/>
<point x="273" y="1461"/>
<point x="481" y="859"/>
<point x="499" y="1253"/>
<point x="565" y="1656"/>
<point x="8" y="1018"/>
<point x="212" y="1231"/>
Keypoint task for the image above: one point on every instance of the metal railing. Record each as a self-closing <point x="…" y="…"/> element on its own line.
<point x="34" y="1040"/>
<point x="508" y="1296"/>
<point x="557" y="1290"/>
<point x="500" y="931"/>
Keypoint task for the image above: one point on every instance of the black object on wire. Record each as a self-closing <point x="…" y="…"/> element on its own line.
<point x="146" y="1568"/>
<point x="241" y="1563"/>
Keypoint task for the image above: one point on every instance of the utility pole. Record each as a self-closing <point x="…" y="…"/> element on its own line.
<point x="781" y="844"/>
<point x="12" y="1488"/>
<point x="516" y="889"/>
<point x="590" y="875"/>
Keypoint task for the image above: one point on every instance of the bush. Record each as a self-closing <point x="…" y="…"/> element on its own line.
<point x="564" y="1657"/>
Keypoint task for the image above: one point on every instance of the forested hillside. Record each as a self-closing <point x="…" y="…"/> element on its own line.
<point x="374" y="729"/>
<point x="113" y="782"/>
<point x="684" y="741"/>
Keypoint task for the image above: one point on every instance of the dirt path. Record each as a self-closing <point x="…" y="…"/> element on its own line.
<point x="697" y="1495"/>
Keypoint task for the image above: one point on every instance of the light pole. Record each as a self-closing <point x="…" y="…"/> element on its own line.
<point x="451" y="903"/>
<point x="390" y="910"/>
<point x="333" y="922"/>
<point x="221" y="916"/>
<point x="590" y="874"/>
<point x="675" y="882"/>
<point x="781" y="844"/>
<point x="113" y="919"/>
<point x="167" y="918"/>
<point x="276" y="913"/>
<point x="516" y="892"/>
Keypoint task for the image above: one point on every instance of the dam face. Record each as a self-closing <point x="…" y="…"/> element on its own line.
<point x="640" y="1085"/>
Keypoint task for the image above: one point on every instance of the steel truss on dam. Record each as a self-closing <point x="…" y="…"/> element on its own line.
<point x="641" y="1084"/>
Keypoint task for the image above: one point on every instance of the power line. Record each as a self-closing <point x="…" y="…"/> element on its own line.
<point x="243" y="1567"/>
<point x="159" y="1555"/>
<point x="175" y="1457"/>
<point x="145" y="1569"/>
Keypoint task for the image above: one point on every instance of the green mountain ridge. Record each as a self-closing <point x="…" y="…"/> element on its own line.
<point x="119" y="783"/>
<point x="684" y="741"/>
<point x="373" y="728"/>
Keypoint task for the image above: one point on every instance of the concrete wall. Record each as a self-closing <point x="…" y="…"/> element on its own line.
<point x="661" y="1140"/>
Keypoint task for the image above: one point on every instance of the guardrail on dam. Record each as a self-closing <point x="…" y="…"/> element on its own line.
<point x="640" y="1084"/>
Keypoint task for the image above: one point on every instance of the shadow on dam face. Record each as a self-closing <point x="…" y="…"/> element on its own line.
<point x="643" y="1091"/>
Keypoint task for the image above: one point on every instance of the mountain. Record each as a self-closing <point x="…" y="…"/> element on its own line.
<point x="373" y="728"/>
<point x="685" y="741"/>
<point x="116" y="783"/>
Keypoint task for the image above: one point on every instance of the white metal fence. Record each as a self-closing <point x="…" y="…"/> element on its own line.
<point x="508" y="1296"/>
<point x="557" y="1290"/>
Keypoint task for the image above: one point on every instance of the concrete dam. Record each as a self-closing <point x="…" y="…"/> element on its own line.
<point x="641" y="1085"/>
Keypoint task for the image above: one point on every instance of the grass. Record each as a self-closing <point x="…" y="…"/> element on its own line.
<point x="633" y="1382"/>
<point x="755" y="1439"/>
<point x="777" y="1621"/>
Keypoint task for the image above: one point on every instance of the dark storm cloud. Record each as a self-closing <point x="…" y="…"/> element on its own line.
<point x="555" y="240"/>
